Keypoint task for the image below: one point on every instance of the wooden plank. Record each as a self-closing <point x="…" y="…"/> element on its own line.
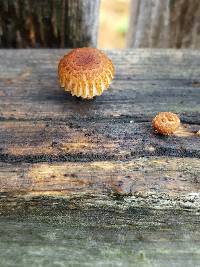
<point x="156" y="182"/>
<point x="49" y="23"/>
<point x="146" y="82"/>
<point x="164" y="24"/>
<point x="63" y="153"/>
<point x="91" y="239"/>
<point x="27" y="141"/>
<point x="88" y="182"/>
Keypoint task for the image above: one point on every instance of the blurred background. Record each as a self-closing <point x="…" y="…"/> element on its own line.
<point x="113" y="24"/>
<point x="101" y="23"/>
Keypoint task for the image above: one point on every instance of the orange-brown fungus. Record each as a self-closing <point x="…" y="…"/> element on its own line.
<point x="85" y="72"/>
<point x="166" y="123"/>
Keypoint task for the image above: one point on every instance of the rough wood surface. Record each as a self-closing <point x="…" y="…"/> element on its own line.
<point x="92" y="238"/>
<point x="88" y="183"/>
<point x="56" y="146"/>
<point x="48" y="23"/>
<point x="164" y="24"/>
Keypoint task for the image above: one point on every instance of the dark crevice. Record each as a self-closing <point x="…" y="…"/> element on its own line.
<point x="80" y="157"/>
<point x="71" y="121"/>
<point x="88" y="119"/>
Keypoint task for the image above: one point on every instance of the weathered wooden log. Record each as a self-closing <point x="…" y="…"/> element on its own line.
<point x="64" y="147"/>
<point x="91" y="178"/>
<point x="136" y="238"/>
<point x="54" y="23"/>
<point x="164" y="24"/>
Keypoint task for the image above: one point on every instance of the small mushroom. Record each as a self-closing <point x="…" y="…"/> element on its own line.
<point x="166" y="123"/>
<point x="85" y="72"/>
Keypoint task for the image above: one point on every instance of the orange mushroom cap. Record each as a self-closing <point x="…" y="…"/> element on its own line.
<point x="166" y="123"/>
<point x="85" y="72"/>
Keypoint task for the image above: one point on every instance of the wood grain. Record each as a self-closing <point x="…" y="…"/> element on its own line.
<point x="146" y="82"/>
<point x="101" y="238"/>
<point x="80" y="154"/>
<point x="155" y="182"/>
<point x="88" y="141"/>
<point x="164" y="24"/>
<point x="48" y="23"/>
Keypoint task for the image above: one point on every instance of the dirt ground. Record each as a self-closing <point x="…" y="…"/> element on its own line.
<point x="114" y="17"/>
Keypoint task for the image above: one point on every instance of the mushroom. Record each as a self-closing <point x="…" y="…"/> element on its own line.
<point x="85" y="72"/>
<point x="166" y="123"/>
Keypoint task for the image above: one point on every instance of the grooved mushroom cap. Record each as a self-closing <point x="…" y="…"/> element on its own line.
<point x="85" y="72"/>
<point x="166" y="123"/>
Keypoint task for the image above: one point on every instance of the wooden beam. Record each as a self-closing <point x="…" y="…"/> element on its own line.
<point x="164" y="24"/>
<point x="136" y="237"/>
<point x="60" y="23"/>
<point x="146" y="82"/>
<point x="91" y="178"/>
<point x="163" y="183"/>
<point x="54" y="147"/>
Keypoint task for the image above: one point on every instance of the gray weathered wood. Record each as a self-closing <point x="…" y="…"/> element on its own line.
<point x="42" y="123"/>
<point x="94" y="238"/>
<point x="88" y="183"/>
<point x="161" y="183"/>
<point x="60" y="23"/>
<point x="164" y="24"/>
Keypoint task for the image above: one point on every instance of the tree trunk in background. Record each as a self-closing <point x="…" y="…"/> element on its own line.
<point x="164" y="24"/>
<point x="48" y="23"/>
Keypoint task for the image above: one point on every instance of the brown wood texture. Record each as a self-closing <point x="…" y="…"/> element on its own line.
<point x="164" y="24"/>
<point x="99" y="153"/>
<point x="48" y="23"/>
